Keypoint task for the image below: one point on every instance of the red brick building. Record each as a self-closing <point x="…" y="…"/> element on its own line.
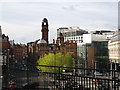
<point x="6" y="48"/>
<point x="91" y="57"/>
<point x="14" y="51"/>
<point x="5" y="42"/>
<point x="19" y="51"/>
<point x="40" y="47"/>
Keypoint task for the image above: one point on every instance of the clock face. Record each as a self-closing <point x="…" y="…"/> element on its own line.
<point x="44" y="23"/>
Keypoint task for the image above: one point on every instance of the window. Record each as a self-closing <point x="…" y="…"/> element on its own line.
<point x="58" y="48"/>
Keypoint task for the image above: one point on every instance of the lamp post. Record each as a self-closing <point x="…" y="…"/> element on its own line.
<point x="84" y="60"/>
<point x="85" y="67"/>
<point x="73" y="66"/>
<point x="95" y="69"/>
<point x="111" y="69"/>
<point x="79" y="64"/>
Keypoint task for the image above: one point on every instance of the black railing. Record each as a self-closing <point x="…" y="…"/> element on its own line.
<point x="66" y="78"/>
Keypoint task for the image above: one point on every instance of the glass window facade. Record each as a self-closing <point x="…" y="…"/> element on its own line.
<point x="101" y="54"/>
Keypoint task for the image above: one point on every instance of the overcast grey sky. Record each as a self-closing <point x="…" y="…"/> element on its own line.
<point x="21" y="21"/>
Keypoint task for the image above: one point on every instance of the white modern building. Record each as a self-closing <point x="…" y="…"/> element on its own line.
<point x="107" y="33"/>
<point x="89" y="38"/>
<point x="72" y="33"/>
<point x="79" y="39"/>
<point x="86" y="42"/>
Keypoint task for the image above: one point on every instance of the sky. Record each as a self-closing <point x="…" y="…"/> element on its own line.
<point x="21" y="21"/>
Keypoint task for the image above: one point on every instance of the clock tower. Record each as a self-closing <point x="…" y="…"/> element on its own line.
<point x="45" y="30"/>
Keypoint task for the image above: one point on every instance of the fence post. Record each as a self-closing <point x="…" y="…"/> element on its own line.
<point x="59" y="77"/>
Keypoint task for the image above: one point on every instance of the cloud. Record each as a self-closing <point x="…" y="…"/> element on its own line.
<point x="70" y="8"/>
<point x="59" y="1"/>
<point x="22" y="21"/>
<point x="21" y="33"/>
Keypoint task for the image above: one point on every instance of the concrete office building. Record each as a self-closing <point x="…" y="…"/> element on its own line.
<point x="107" y="33"/>
<point x="87" y="43"/>
<point x="92" y="50"/>
<point x="85" y="55"/>
<point x="72" y="33"/>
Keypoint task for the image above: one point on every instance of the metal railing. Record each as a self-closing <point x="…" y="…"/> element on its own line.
<point x="75" y="78"/>
<point x="67" y="78"/>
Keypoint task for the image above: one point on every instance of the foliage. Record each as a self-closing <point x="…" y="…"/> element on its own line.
<point x="59" y="59"/>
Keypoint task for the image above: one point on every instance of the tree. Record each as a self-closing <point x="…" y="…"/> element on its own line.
<point x="59" y="59"/>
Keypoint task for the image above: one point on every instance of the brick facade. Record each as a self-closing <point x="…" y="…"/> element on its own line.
<point x="41" y="47"/>
<point x="19" y="51"/>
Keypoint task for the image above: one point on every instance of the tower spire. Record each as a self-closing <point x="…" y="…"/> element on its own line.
<point x="45" y="30"/>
